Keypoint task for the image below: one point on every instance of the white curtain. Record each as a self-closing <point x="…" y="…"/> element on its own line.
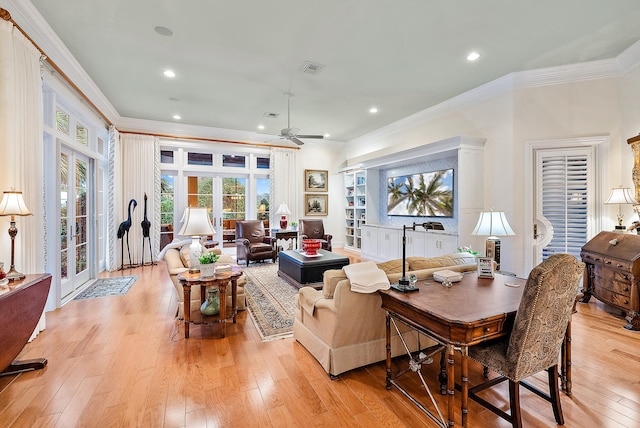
<point x="140" y="160"/>
<point x="284" y="183"/>
<point x="21" y="147"/>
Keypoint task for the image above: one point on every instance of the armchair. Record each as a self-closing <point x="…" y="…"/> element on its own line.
<point x="252" y="244"/>
<point x="314" y="229"/>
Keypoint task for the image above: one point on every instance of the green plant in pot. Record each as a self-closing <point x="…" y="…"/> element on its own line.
<point x="294" y="225"/>
<point x="207" y="264"/>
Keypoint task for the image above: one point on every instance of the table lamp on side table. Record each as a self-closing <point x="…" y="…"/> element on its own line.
<point x="283" y="210"/>
<point x="196" y="224"/>
<point x="12" y="204"/>
<point x="493" y="224"/>
<point x="620" y="196"/>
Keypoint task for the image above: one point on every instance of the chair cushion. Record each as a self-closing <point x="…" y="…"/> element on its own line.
<point x="259" y="247"/>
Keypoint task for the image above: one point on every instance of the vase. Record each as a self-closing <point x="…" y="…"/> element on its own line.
<point x="211" y="306"/>
<point x="207" y="270"/>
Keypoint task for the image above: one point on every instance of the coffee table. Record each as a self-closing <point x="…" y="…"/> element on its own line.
<point x="298" y="269"/>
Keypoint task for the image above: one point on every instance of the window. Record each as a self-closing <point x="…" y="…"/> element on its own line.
<point x="233" y="198"/>
<point x="62" y="121"/>
<point x="166" y="156"/>
<point x="262" y="163"/>
<point x="262" y="200"/>
<point x="166" y="209"/>
<point x="205" y="159"/>
<point x="234" y="161"/>
<point x="82" y="134"/>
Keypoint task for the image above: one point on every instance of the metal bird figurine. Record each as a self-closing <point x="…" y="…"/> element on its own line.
<point x="146" y="226"/>
<point x="123" y="230"/>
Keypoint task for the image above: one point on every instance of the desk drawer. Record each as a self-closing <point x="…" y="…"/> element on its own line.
<point x="485" y="331"/>
<point x="614" y="275"/>
<point x="615" y="299"/>
<point x="606" y="281"/>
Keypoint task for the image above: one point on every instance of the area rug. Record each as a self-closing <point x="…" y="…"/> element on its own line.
<point x="270" y="301"/>
<point x="104" y="287"/>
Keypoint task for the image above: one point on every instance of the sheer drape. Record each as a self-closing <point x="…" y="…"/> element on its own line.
<point x="140" y="160"/>
<point x="284" y="183"/>
<point x="21" y="147"/>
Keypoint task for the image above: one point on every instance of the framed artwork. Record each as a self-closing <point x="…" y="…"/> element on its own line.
<point x="316" y="180"/>
<point x="315" y="204"/>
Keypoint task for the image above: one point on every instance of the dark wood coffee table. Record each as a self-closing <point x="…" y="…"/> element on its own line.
<point x="300" y="270"/>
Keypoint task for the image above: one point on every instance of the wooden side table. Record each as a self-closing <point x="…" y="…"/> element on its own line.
<point x="221" y="280"/>
<point x="291" y="236"/>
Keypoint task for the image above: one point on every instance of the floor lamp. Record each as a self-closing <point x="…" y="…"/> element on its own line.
<point x="493" y="224"/>
<point x="12" y="204"/>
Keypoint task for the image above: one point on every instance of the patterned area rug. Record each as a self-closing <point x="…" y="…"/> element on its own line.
<point x="104" y="287"/>
<point x="270" y="300"/>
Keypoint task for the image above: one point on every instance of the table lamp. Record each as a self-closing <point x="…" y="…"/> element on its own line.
<point x="12" y="204"/>
<point x="493" y="224"/>
<point x="196" y="224"/>
<point x="283" y="210"/>
<point x="620" y="196"/>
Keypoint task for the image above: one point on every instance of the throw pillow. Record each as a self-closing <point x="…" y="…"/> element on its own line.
<point x="392" y="266"/>
<point x="185" y="252"/>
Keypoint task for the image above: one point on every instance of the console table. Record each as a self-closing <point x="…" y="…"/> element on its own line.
<point x="291" y="236"/>
<point x="21" y="307"/>
<point x="220" y="280"/>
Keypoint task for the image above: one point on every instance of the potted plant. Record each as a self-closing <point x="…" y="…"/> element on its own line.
<point x="294" y="225"/>
<point x="207" y="264"/>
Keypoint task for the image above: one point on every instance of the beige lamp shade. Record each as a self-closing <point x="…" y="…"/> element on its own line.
<point x="283" y="209"/>
<point x="196" y="223"/>
<point x="13" y="204"/>
<point x="621" y="195"/>
<point x="493" y="223"/>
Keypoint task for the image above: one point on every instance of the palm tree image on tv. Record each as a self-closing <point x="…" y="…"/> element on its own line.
<point x="428" y="194"/>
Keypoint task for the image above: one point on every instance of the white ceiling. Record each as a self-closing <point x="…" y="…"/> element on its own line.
<point x="234" y="60"/>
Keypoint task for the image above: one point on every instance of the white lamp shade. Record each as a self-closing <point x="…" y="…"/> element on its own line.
<point x="493" y="223"/>
<point x="621" y="195"/>
<point x="196" y="223"/>
<point x="13" y="204"/>
<point x="283" y="209"/>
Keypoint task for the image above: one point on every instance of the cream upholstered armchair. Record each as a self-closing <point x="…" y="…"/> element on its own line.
<point x="345" y="330"/>
<point x="314" y="229"/>
<point x="177" y="260"/>
<point x="537" y="335"/>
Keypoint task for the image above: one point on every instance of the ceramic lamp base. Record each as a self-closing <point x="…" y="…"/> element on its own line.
<point x="283" y="222"/>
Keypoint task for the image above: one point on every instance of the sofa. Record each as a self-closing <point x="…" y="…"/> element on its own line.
<point x="177" y="260"/>
<point x="345" y="330"/>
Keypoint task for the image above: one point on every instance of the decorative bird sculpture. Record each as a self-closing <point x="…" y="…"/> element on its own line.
<point x="146" y="226"/>
<point x="123" y="230"/>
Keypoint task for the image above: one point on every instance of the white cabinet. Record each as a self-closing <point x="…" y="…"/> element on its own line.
<point x="359" y="187"/>
<point x="439" y="244"/>
<point x="369" y="241"/>
<point x="389" y="245"/>
<point x="416" y="243"/>
<point x="382" y="243"/>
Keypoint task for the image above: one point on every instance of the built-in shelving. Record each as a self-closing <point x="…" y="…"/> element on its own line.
<point x="357" y="187"/>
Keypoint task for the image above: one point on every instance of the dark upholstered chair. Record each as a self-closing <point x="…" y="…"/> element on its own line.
<point x="251" y="242"/>
<point x="536" y="338"/>
<point x="314" y="229"/>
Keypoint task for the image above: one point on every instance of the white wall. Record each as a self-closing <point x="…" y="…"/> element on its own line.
<point x="515" y="116"/>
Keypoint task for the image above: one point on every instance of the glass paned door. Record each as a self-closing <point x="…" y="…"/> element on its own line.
<point x="75" y="234"/>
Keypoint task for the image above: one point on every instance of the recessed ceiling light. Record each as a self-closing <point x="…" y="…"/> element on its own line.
<point x="473" y="56"/>
<point x="169" y="73"/>
<point x="260" y="126"/>
<point x="163" y="31"/>
<point x="327" y="135"/>
<point x="174" y="99"/>
<point x="373" y="110"/>
<point x="177" y="117"/>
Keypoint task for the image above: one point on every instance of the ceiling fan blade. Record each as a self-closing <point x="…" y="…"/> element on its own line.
<point x="317" y="137"/>
<point x="295" y="140"/>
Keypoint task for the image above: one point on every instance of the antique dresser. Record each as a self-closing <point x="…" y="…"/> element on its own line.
<point x="613" y="272"/>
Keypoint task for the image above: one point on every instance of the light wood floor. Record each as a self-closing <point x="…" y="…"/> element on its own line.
<point x="123" y="361"/>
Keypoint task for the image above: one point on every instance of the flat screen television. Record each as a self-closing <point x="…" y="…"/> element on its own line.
<point x="428" y="194"/>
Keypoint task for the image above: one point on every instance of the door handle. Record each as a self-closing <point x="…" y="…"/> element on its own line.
<point x="535" y="231"/>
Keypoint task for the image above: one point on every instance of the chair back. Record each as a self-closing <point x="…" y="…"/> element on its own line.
<point x="253" y="230"/>
<point x="543" y="314"/>
<point x="313" y="228"/>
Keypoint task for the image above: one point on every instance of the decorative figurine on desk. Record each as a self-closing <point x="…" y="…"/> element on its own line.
<point x="123" y="230"/>
<point x="146" y="226"/>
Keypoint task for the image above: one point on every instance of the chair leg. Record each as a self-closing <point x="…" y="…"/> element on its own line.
<point x="514" y="400"/>
<point x="554" y="394"/>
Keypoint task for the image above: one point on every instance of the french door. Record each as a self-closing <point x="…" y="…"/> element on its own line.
<point x="76" y="209"/>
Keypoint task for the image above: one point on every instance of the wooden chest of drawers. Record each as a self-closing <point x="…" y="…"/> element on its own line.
<point x="613" y="272"/>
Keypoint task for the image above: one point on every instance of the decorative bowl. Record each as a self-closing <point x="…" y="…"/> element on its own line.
<point x="311" y="246"/>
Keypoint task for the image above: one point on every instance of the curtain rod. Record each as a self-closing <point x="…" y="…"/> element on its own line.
<point x="208" y="140"/>
<point x="4" y="14"/>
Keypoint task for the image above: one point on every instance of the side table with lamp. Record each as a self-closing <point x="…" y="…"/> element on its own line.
<point x="621" y="196"/>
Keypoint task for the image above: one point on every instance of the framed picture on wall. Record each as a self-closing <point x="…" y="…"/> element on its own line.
<point x="316" y="180"/>
<point x="315" y="204"/>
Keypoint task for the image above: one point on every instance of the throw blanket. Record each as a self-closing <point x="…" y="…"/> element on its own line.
<point x="366" y="277"/>
<point x="177" y="243"/>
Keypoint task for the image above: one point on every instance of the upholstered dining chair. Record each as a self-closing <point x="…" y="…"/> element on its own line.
<point x="252" y="244"/>
<point x="536" y="338"/>
<point x="314" y="229"/>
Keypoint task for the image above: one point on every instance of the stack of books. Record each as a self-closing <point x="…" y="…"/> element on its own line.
<point x="223" y="268"/>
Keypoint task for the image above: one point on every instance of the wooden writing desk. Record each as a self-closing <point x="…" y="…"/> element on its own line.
<point x="472" y="311"/>
<point x="219" y="280"/>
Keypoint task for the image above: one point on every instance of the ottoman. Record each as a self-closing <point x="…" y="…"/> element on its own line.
<point x="299" y="270"/>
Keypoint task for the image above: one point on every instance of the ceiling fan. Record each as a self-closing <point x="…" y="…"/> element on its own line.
<point x="292" y="134"/>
